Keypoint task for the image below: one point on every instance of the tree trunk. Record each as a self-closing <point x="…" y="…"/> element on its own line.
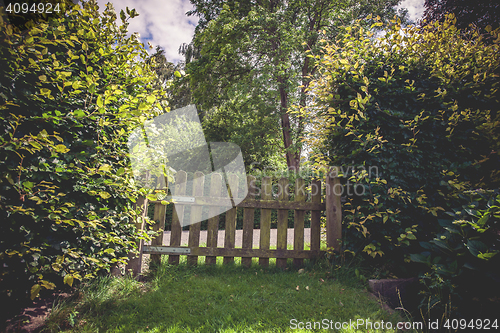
<point x="292" y="158"/>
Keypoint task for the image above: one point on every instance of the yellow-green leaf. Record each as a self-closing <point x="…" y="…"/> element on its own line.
<point x="100" y="103"/>
<point x="104" y="195"/>
<point x="105" y="167"/>
<point x="48" y="285"/>
<point x="68" y="279"/>
<point x="61" y="149"/>
<point x="35" y="291"/>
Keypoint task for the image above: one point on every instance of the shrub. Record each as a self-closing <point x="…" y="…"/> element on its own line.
<point x="462" y="259"/>
<point x="72" y="88"/>
<point x="407" y="117"/>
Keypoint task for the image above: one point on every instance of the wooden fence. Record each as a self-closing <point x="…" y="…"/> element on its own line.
<point x="268" y="201"/>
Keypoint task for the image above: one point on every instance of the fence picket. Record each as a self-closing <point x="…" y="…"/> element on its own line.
<point x="159" y="218"/>
<point x="134" y="264"/>
<point x="194" y="228"/>
<point x="230" y="229"/>
<point x="177" y="216"/>
<point x="298" y="223"/>
<point x="281" y="242"/>
<point x="248" y="218"/>
<point x="265" y="219"/>
<point x="213" y="222"/>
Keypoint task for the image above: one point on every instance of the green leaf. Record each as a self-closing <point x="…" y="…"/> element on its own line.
<point x="35" y="291"/>
<point x="79" y="113"/>
<point x="105" y="168"/>
<point x="476" y="247"/>
<point x="100" y="103"/>
<point x="104" y="195"/>
<point x="61" y="149"/>
<point x="486" y="255"/>
<point x="177" y="74"/>
<point x="68" y="279"/>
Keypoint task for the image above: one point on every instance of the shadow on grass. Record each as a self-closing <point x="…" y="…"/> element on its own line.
<point x="217" y="298"/>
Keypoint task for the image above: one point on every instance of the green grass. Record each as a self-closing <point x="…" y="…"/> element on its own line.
<point x="218" y="298"/>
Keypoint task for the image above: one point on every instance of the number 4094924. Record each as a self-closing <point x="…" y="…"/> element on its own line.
<point x="40" y="8"/>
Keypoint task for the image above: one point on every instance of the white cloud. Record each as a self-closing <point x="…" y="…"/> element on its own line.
<point x="165" y="23"/>
<point x="415" y="8"/>
<point x="161" y="22"/>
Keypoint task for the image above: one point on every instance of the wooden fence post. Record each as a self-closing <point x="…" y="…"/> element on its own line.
<point x="134" y="264"/>
<point x="333" y="210"/>
<point x="316" y="216"/>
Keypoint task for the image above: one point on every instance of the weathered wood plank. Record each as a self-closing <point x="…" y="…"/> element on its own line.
<point x="315" y="216"/>
<point x="248" y="220"/>
<point x="230" y="229"/>
<point x="251" y="203"/>
<point x="265" y="220"/>
<point x="246" y="253"/>
<point x="281" y="242"/>
<point x="177" y="216"/>
<point x="213" y="222"/>
<point x="159" y="218"/>
<point x="333" y="210"/>
<point x="298" y="221"/>
<point x="135" y="261"/>
<point x="196" y="211"/>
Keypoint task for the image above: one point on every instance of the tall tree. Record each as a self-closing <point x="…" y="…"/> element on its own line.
<point x="257" y="51"/>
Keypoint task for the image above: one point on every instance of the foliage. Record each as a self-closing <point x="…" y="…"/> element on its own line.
<point x="407" y="117"/>
<point x="171" y="76"/>
<point x="479" y="14"/>
<point x="462" y="261"/>
<point x="71" y="91"/>
<point x="252" y="66"/>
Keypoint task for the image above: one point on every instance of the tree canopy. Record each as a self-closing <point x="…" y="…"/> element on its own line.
<point x="253" y="63"/>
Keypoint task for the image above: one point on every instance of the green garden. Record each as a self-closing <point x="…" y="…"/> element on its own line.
<point x="409" y="114"/>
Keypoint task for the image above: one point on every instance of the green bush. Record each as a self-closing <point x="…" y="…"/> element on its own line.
<point x="72" y="88"/>
<point x="462" y="260"/>
<point x="406" y="117"/>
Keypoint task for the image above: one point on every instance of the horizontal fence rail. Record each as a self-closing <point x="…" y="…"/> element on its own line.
<point x="304" y="199"/>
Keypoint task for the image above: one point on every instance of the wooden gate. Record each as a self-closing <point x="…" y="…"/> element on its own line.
<point x="303" y="200"/>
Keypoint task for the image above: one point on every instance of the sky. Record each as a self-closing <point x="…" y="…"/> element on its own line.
<point x="165" y="23"/>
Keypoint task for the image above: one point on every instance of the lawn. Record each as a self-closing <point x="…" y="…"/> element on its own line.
<point x="221" y="298"/>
